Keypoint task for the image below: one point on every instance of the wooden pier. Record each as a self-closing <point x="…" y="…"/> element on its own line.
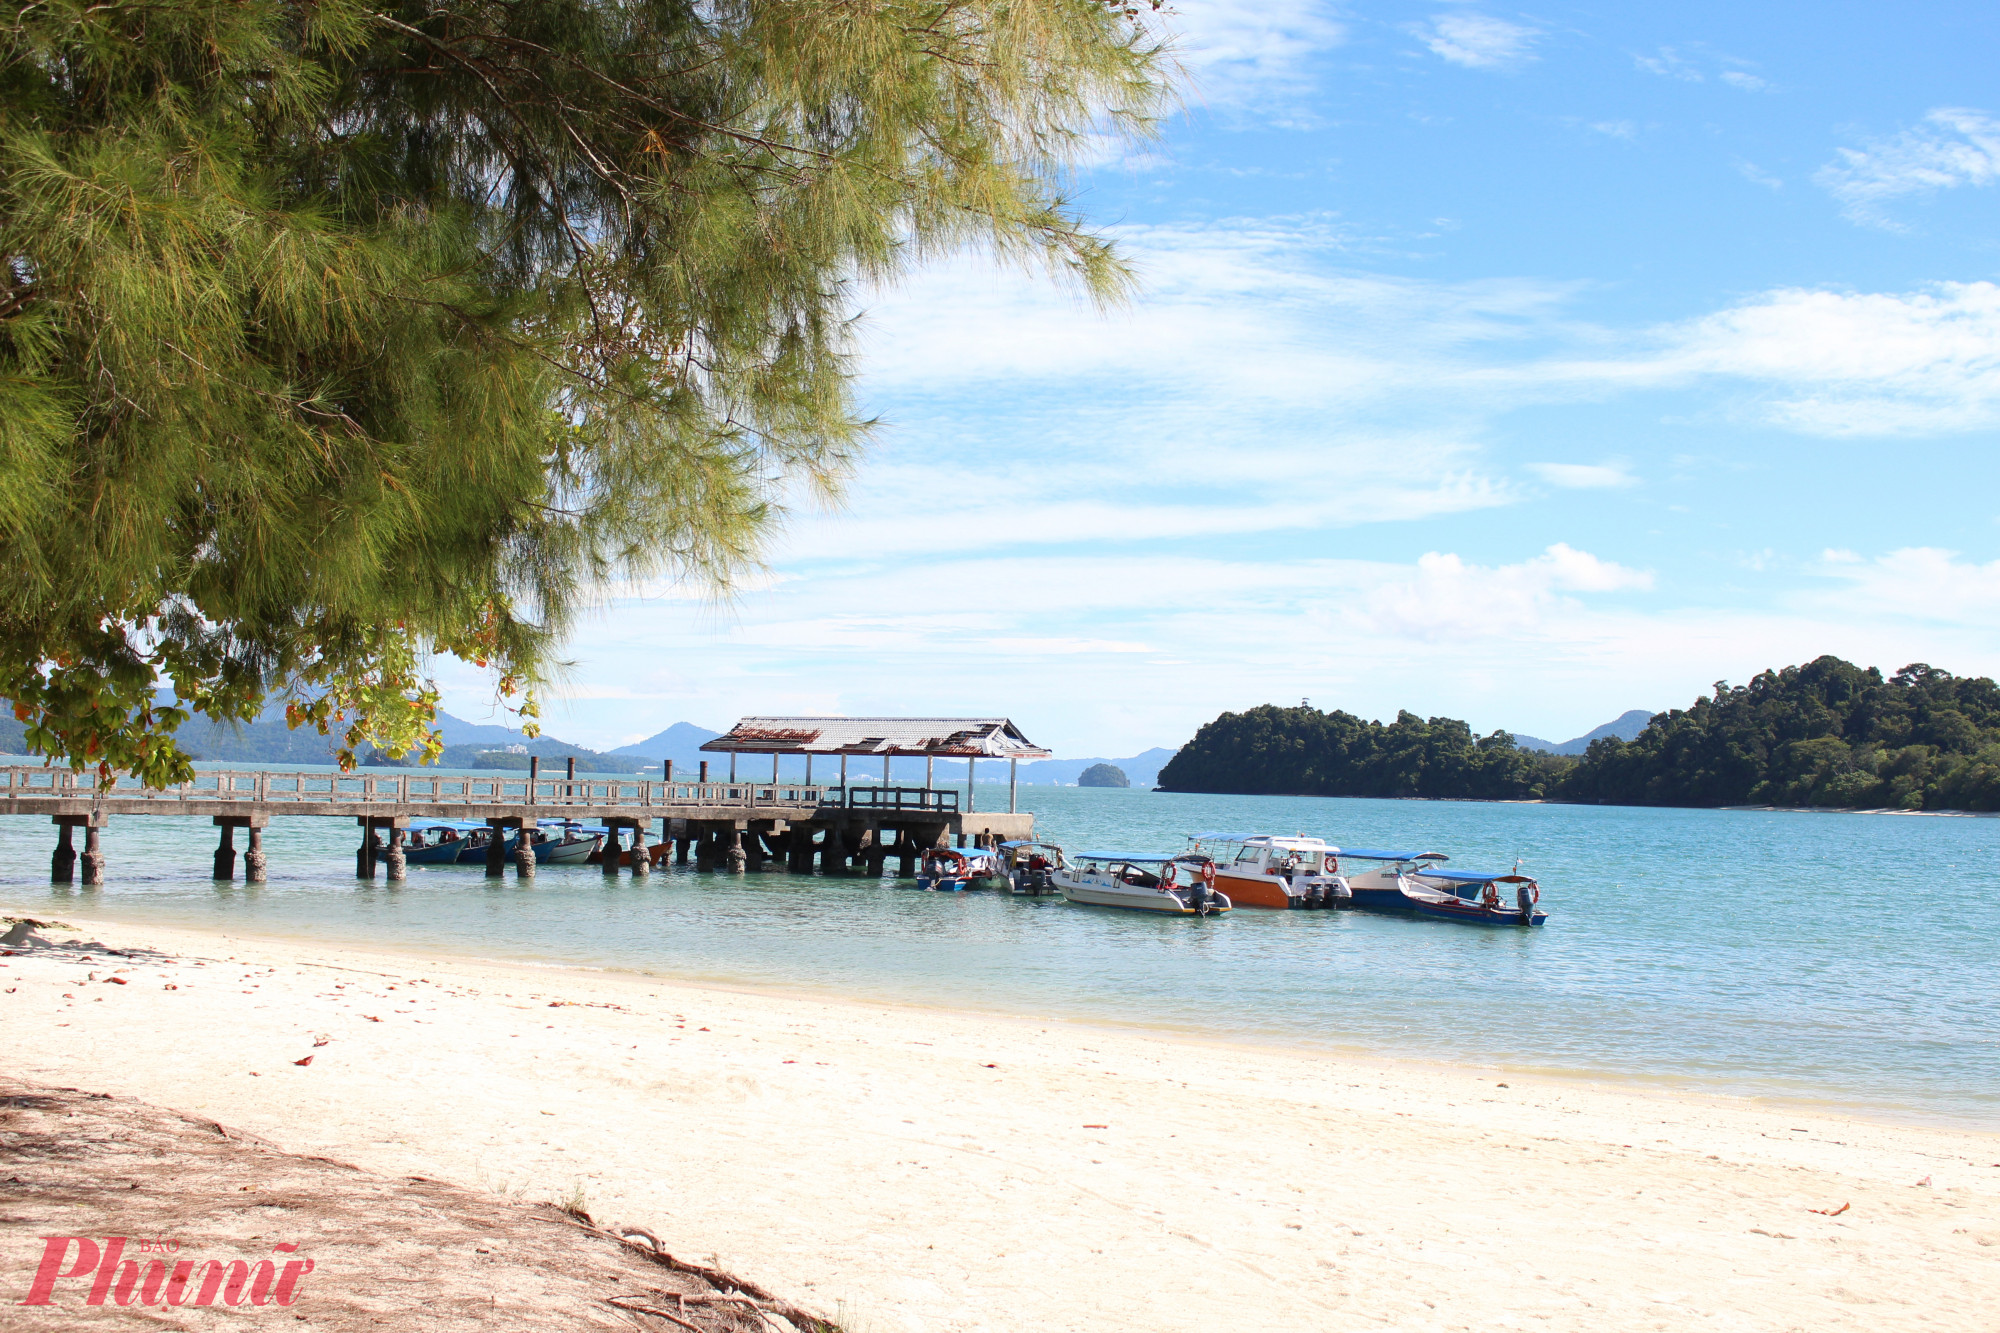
<point x="734" y="826"/>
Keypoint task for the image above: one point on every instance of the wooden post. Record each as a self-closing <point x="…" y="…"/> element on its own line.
<point x="62" y="865"/>
<point x="774" y="768"/>
<point x="225" y="854"/>
<point x="253" y="860"/>
<point x="970" y="800"/>
<point x="885" y="770"/>
<point x="93" y="856"/>
<point x="569" y="780"/>
<point x="1013" y="783"/>
<point x="843" y="781"/>
<point x="666" y="770"/>
<point x="704" y="772"/>
<point x="809" y="768"/>
<point x="732" y="765"/>
<point x="398" y="863"/>
<point x="930" y="775"/>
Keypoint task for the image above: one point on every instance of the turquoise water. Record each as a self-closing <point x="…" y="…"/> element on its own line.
<point x="1848" y="959"/>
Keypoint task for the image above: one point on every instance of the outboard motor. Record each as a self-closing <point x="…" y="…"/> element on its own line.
<point x="1338" y="893"/>
<point x="1524" y="896"/>
<point x="1313" y="897"/>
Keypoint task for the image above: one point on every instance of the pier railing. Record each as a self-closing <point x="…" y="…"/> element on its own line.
<point x="943" y="799"/>
<point x="21" y="782"/>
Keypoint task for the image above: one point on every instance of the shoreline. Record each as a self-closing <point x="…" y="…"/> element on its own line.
<point x="1818" y="1101"/>
<point x="903" y="1168"/>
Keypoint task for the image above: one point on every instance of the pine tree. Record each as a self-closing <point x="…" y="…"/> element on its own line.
<point x="334" y="336"/>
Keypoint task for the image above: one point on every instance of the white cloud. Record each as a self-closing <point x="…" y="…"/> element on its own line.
<point x="1859" y="363"/>
<point x="1756" y="175"/>
<point x="1448" y="599"/>
<point x="1748" y="82"/>
<point x="1916" y="582"/>
<point x="1585" y="476"/>
<point x="1954" y="146"/>
<point x="1669" y="63"/>
<point x="1478" y="41"/>
<point x="1254" y="53"/>
<point x="1616" y="129"/>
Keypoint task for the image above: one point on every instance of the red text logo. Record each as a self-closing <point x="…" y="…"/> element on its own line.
<point x="162" y="1282"/>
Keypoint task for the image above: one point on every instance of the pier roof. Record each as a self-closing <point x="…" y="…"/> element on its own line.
<point x="956" y="737"/>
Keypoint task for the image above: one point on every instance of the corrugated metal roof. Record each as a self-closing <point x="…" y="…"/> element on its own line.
<point x="959" y="737"/>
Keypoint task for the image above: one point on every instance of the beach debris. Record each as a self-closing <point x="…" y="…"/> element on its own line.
<point x="1097" y="1127"/>
<point x="308" y="1060"/>
<point x="115" y="981"/>
<point x="1774" y="1235"/>
<point x="170" y="986"/>
<point x="1831" y="1212"/>
<point x="371" y="1018"/>
<point x="1924" y="1184"/>
<point x="989" y="1066"/>
<point x="321" y="1039"/>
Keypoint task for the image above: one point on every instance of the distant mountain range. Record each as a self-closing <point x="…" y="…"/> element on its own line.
<point x="487" y="745"/>
<point x="1625" y="726"/>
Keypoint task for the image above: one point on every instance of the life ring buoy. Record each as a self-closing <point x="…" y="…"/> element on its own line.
<point x="1333" y="865"/>
<point x="1491" y="898"/>
<point x="1167" y="875"/>
<point x="1208" y="873"/>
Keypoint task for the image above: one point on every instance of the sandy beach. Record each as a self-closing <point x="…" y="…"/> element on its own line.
<point x="911" y="1169"/>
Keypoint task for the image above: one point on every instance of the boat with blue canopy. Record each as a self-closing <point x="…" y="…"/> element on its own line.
<point x="1415" y="883"/>
<point x="954" y="870"/>
<point x="440" y="842"/>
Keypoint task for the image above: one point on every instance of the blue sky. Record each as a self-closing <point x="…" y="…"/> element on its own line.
<point x="1523" y="366"/>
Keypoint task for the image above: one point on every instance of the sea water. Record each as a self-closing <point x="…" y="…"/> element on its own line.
<point x="1839" y="958"/>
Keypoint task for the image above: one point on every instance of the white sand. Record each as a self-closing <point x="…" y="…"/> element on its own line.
<point x="915" y="1169"/>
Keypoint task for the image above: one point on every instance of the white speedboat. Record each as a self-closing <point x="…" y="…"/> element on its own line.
<point x="1138" y="883"/>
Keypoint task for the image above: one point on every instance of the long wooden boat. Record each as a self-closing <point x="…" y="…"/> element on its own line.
<point x="1413" y="883"/>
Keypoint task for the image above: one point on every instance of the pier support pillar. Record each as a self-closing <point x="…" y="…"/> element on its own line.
<point x="225" y="854"/>
<point x="737" y="859"/>
<point x="707" y="849"/>
<point x="364" y="855"/>
<point x="906" y="853"/>
<point x="62" y="864"/>
<point x="253" y="860"/>
<point x="642" y="855"/>
<point x="755" y="857"/>
<point x="496" y="849"/>
<point x="682" y="846"/>
<point x="93" y="856"/>
<point x="396" y="863"/>
<point x="612" y="850"/>
<point x="524" y="850"/>
<point x="833" y="850"/>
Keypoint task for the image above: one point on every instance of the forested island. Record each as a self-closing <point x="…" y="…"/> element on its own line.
<point x="1827" y="734"/>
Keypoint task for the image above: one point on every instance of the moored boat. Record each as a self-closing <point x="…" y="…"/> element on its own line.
<point x="1414" y="883"/>
<point x="1265" y="870"/>
<point x="437" y="844"/>
<point x="1138" y="883"/>
<point x="1031" y="866"/>
<point x="954" y="870"/>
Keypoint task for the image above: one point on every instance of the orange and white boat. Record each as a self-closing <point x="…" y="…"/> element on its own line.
<point x="1266" y="870"/>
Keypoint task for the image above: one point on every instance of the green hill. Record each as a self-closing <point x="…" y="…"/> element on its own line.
<point x="1828" y="733"/>
<point x="1307" y="752"/>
